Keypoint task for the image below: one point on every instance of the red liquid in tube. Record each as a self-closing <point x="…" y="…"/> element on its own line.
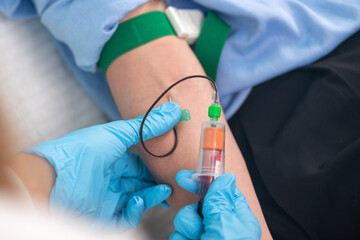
<point x="211" y="157"/>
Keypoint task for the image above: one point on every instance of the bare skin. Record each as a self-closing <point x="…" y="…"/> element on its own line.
<point x="139" y="76"/>
<point x="36" y="173"/>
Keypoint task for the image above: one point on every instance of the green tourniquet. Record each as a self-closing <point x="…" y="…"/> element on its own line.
<point x="211" y="42"/>
<point x="185" y="115"/>
<point x="214" y="112"/>
<point x="153" y="25"/>
<point x="134" y="33"/>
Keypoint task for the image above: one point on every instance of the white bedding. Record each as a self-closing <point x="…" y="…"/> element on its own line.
<point x="39" y="94"/>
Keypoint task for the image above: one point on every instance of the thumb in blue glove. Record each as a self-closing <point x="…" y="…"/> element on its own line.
<point x="97" y="177"/>
<point x="226" y="213"/>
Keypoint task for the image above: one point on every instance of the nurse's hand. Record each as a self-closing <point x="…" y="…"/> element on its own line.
<point x="97" y="177"/>
<point x="226" y="213"/>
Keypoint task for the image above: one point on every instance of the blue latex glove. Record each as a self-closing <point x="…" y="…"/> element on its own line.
<point x="226" y="213"/>
<point x="97" y="177"/>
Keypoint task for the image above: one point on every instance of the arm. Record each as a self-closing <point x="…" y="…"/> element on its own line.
<point x="26" y="174"/>
<point x="139" y="76"/>
<point x="37" y="175"/>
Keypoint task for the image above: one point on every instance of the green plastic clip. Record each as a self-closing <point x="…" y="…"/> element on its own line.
<point x="185" y="115"/>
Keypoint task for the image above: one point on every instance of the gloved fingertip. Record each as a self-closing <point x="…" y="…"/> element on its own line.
<point x="188" y="222"/>
<point x="186" y="211"/>
<point x="177" y="236"/>
<point x="184" y="174"/>
<point x="221" y="193"/>
<point x="169" y="107"/>
<point x="134" y="210"/>
<point x="163" y="204"/>
<point x="166" y="190"/>
<point x="192" y="207"/>
<point x="135" y="203"/>
<point x="153" y="196"/>
<point x="160" y="120"/>
<point x="224" y="181"/>
<point x="171" y="110"/>
<point x="229" y="177"/>
<point x="183" y="178"/>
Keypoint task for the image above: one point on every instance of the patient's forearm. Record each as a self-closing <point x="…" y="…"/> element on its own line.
<point x="138" y="77"/>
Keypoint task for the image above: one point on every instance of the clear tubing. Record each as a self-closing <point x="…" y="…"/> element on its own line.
<point x="211" y="159"/>
<point x="215" y="97"/>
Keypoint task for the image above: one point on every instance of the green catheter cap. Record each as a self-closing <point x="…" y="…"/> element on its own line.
<point x="214" y="111"/>
<point x="185" y="115"/>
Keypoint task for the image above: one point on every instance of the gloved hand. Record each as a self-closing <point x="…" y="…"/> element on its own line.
<point x="97" y="177"/>
<point x="226" y="213"/>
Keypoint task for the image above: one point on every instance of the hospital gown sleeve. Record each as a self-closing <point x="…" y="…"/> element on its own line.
<point x="270" y="38"/>
<point x="18" y="8"/>
<point x="83" y="25"/>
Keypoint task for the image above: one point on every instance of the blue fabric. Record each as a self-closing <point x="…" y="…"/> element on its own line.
<point x="268" y="37"/>
<point x="18" y="8"/>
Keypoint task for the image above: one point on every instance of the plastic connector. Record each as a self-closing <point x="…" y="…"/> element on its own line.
<point x="186" y="23"/>
<point x="214" y="112"/>
<point x="185" y="115"/>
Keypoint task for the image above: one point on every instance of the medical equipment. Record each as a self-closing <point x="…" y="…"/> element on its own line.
<point x="187" y="23"/>
<point x="212" y="142"/>
<point x="215" y="100"/>
<point x="227" y="215"/>
<point x="211" y="153"/>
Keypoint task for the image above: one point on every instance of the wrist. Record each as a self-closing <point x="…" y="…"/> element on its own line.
<point x="37" y="175"/>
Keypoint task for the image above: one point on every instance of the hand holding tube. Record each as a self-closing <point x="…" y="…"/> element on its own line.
<point x="226" y="212"/>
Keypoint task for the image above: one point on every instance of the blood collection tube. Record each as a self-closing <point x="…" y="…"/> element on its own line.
<point x="211" y="153"/>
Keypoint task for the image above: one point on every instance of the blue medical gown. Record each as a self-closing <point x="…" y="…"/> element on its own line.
<point x="268" y="38"/>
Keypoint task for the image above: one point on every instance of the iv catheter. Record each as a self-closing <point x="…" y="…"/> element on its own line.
<point x="212" y="142"/>
<point x="215" y="99"/>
